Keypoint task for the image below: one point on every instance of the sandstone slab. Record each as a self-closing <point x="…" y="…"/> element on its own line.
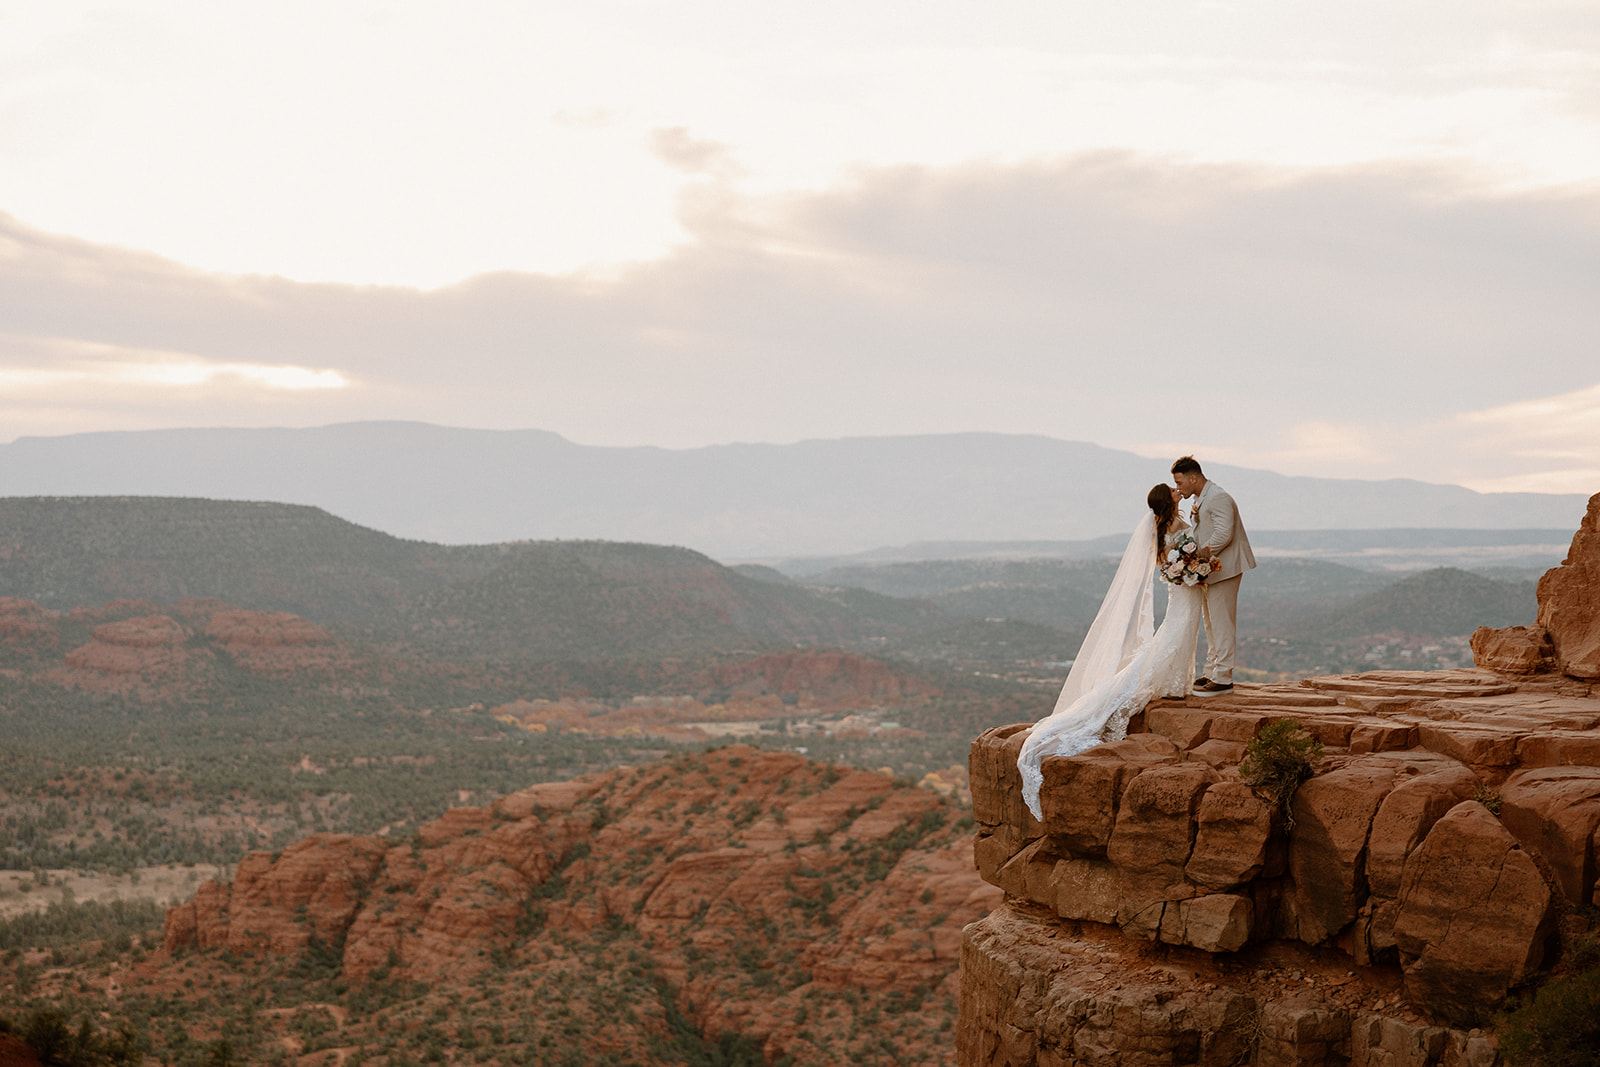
<point x="1566" y="748"/>
<point x="1473" y="744"/>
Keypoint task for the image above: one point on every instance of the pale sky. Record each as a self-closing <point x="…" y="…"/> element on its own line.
<point x="1357" y="239"/>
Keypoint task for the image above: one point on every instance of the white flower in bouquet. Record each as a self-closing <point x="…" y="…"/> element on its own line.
<point x="1191" y="579"/>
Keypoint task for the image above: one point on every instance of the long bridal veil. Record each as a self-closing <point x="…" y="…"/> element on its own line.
<point x="1108" y="675"/>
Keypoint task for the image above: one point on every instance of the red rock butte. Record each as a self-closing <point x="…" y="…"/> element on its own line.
<point x="699" y="856"/>
<point x="1162" y="912"/>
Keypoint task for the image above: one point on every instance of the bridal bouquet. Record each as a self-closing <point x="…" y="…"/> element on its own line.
<point x="1183" y="564"/>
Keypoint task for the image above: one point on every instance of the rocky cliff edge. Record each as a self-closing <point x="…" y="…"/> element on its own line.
<point x="1163" y="912"/>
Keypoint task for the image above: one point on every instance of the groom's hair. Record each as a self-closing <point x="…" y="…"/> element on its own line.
<point x="1187" y="465"/>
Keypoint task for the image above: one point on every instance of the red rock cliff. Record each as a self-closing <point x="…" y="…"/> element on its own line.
<point x="754" y="880"/>
<point x="1566" y="637"/>
<point x="1162" y="912"/>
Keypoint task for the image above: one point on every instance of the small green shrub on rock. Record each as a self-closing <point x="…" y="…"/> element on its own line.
<point x="1489" y="798"/>
<point x="1277" y="760"/>
<point x="1559" y="1026"/>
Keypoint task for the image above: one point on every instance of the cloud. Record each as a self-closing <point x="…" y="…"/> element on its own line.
<point x="678" y="149"/>
<point x="50" y="364"/>
<point x="1559" y="417"/>
<point x="1340" y="322"/>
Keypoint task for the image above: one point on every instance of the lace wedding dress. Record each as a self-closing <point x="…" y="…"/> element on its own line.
<point x="1125" y="662"/>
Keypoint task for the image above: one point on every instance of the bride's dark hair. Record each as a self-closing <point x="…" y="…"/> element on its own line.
<point x="1160" y="501"/>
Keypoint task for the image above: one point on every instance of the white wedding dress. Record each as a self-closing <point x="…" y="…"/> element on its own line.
<point x="1125" y="663"/>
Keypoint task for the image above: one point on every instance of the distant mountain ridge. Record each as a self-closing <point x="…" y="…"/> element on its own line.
<point x="740" y="501"/>
<point x="1398" y="549"/>
<point x="532" y="600"/>
<point x="543" y="601"/>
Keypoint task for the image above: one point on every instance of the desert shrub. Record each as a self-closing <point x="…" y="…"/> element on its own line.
<point x="1558" y="1026"/>
<point x="1580" y="938"/>
<point x="1277" y="760"/>
<point x="51" y="1036"/>
<point x="68" y="922"/>
<point x="1489" y="798"/>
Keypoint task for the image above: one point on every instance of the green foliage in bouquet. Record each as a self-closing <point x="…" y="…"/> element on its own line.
<point x="1277" y="760"/>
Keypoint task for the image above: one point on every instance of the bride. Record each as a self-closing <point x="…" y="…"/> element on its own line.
<point x="1125" y="662"/>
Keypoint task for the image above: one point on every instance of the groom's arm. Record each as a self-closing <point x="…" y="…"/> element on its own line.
<point x="1224" y="515"/>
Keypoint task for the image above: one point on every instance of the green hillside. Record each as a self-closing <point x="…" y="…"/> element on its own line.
<point x="589" y="599"/>
<point x="67" y="551"/>
<point x="1442" y="602"/>
<point x="524" y="600"/>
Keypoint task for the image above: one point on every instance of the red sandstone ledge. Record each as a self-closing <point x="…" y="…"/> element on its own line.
<point x="1155" y="834"/>
<point x="1393" y="863"/>
<point x="1452" y="823"/>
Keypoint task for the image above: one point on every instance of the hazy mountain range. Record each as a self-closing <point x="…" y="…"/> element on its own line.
<point x="741" y="501"/>
<point x="586" y="600"/>
<point x="530" y="600"/>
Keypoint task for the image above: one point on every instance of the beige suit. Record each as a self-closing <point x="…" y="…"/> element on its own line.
<point x="1217" y="527"/>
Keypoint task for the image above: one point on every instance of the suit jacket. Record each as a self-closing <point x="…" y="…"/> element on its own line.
<point x="1217" y="526"/>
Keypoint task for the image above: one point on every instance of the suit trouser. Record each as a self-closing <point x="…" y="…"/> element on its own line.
<point x="1220" y="608"/>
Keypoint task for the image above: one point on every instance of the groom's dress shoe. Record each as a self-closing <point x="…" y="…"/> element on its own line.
<point x="1201" y="682"/>
<point x="1211" y="689"/>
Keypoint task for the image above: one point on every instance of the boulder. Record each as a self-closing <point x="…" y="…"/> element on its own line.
<point x="1087" y="889"/>
<point x="1153" y="839"/>
<point x="1386" y="1042"/>
<point x="1553" y="812"/>
<point x="1234" y="827"/>
<point x="995" y="781"/>
<point x="1569" y="600"/>
<point x="1082" y="794"/>
<point x="1333" y="813"/>
<point x="1217" y="922"/>
<point x="1474" y="916"/>
<point x="1302" y="1033"/>
<point x="1512" y="649"/>
<point x="1404" y="819"/>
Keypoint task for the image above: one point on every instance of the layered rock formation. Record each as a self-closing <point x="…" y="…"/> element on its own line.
<point x="144" y="651"/>
<point x="759" y="886"/>
<point x="1395" y="882"/>
<point x="1164" y="912"/>
<point x="821" y="676"/>
<point x="143" y="648"/>
<point x="1566" y="637"/>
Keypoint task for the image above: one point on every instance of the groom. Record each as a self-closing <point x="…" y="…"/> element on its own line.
<point x="1223" y="541"/>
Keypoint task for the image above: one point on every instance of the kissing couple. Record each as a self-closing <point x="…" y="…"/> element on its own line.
<point x="1125" y="662"/>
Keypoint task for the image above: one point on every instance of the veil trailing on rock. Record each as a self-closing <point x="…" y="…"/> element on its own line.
<point x="1110" y="673"/>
